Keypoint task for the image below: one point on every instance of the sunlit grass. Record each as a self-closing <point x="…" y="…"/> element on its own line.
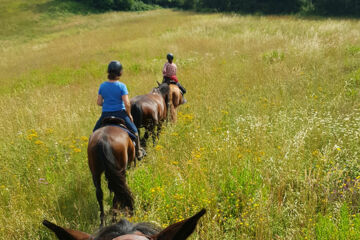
<point x="268" y="142"/>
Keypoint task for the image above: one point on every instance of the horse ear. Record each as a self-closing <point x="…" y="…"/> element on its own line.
<point x="66" y="234"/>
<point x="158" y="83"/>
<point x="180" y="230"/>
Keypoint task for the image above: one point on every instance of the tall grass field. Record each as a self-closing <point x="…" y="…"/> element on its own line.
<point x="268" y="142"/>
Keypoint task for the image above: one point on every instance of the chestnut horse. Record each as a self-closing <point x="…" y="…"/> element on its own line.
<point x="175" y="100"/>
<point x="150" y="111"/>
<point x="110" y="150"/>
<point x="125" y="230"/>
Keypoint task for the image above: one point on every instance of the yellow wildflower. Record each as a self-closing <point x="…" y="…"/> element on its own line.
<point x="84" y="138"/>
<point x="158" y="147"/>
<point x="77" y="150"/>
<point x="38" y="142"/>
<point x="49" y="131"/>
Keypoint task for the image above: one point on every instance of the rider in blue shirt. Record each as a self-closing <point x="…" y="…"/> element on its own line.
<point x="114" y="99"/>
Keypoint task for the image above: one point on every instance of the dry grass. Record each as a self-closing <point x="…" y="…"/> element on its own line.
<point x="268" y="142"/>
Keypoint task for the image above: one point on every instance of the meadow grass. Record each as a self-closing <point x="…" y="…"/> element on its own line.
<point x="267" y="143"/>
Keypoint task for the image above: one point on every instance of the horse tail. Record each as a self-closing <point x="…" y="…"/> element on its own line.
<point x="137" y="113"/>
<point x="116" y="178"/>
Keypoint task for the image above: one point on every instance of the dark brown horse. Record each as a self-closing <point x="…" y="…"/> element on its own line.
<point x="175" y="100"/>
<point x="150" y="111"/>
<point x="125" y="230"/>
<point x="110" y="150"/>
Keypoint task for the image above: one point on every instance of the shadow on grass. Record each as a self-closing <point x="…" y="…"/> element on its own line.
<point x="77" y="206"/>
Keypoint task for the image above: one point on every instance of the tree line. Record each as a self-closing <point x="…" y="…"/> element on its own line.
<point x="318" y="7"/>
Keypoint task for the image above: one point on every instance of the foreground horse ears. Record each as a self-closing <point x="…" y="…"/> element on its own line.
<point x="158" y="83"/>
<point x="177" y="231"/>
<point x="66" y="234"/>
<point x="180" y="230"/>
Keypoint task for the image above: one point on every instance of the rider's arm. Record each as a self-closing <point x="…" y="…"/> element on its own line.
<point x="100" y="100"/>
<point x="126" y="101"/>
<point x="164" y="69"/>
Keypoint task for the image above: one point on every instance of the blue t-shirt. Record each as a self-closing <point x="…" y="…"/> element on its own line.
<point x="112" y="93"/>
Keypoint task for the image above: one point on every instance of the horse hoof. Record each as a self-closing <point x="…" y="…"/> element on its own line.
<point x="141" y="154"/>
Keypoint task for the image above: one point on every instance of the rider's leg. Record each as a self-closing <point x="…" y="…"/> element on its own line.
<point x="166" y="80"/>
<point x="103" y="115"/>
<point x="98" y="123"/>
<point x="183" y="90"/>
<point x="131" y="126"/>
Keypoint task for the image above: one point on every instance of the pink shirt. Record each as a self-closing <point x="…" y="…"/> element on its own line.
<point x="169" y="69"/>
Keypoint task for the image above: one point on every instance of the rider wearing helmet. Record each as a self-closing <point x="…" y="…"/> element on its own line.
<point x="169" y="72"/>
<point x="114" y="99"/>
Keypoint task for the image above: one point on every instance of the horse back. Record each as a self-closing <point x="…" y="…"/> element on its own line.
<point x="148" y="107"/>
<point x="117" y="140"/>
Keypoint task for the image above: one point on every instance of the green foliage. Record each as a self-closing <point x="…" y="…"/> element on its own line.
<point x="352" y="84"/>
<point x="328" y="228"/>
<point x="337" y="7"/>
<point x="353" y="50"/>
<point x="127" y="5"/>
<point x="322" y="7"/>
<point x="273" y="56"/>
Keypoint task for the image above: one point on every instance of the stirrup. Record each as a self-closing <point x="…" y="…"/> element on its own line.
<point x="142" y="155"/>
<point x="183" y="100"/>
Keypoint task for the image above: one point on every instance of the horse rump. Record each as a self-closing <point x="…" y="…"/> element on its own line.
<point x="137" y="114"/>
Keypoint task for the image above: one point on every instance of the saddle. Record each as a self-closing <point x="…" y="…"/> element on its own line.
<point x="118" y="122"/>
<point x="168" y="81"/>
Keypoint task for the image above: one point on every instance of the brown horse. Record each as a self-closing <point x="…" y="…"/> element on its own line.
<point x="150" y="111"/>
<point x="125" y="230"/>
<point x="110" y="150"/>
<point x="175" y="100"/>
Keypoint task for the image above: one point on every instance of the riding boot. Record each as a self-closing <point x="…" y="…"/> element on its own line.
<point x="139" y="151"/>
<point x="182" y="89"/>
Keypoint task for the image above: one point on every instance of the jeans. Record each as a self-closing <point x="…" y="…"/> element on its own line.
<point x="120" y="114"/>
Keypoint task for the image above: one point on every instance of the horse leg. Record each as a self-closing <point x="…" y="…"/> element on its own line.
<point x="146" y="135"/>
<point x="115" y="207"/>
<point x="159" y="126"/>
<point x="152" y="130"/>
<point x="173" y="113"/>
<point x="141" y="140"/>
<point x="131" y="154"/>
<point x="99" y="196"/>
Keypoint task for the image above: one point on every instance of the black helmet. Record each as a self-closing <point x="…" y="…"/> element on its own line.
<point x="115" y="68"/>
<point x="170" y="56"/>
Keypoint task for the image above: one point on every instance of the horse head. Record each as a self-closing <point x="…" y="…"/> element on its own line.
<point x="124" y="230"/>
<point x="162" y="88"/>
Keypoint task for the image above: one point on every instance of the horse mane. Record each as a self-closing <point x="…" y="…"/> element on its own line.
<point x="163" y="89"/>
<point x="124" y="227"/>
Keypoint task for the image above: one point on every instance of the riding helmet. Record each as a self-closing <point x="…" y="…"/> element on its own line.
<point x="170" y="56"/>
<point x="114" y="67"/>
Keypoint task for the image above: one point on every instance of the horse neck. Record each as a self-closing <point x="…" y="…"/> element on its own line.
<point x="157" y="92"/>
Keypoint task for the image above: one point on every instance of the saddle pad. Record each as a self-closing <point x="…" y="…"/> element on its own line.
<point x="131" y="135"/>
